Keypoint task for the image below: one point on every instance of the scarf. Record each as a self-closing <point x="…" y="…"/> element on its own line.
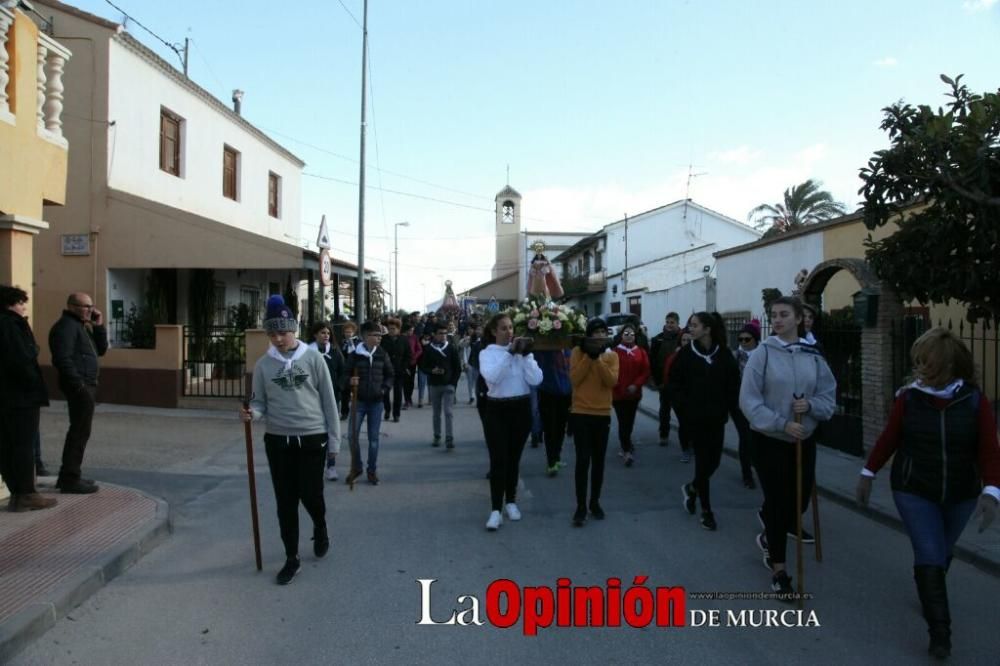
<point x="946" y="393"/>
<point x="705" y="357"/>
<point x="297" y="353"/>
<point x="440" y="350"/>
<point x="630" y="350"/>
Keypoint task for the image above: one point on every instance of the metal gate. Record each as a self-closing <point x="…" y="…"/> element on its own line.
<point x="841" y="343"/>
<point x="214" y="362"/>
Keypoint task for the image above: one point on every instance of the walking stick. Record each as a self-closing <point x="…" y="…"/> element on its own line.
<point x="819" y="538"/>
<point x="354" y="444"/>
<point x="798" y="511"/>
<point x="248" y="432"/>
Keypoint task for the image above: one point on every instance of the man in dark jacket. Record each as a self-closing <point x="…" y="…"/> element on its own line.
<point x="663" y="345"/>
<point x="75" y="341"/>
<point x="398" y="349"/>
<point x="370" y="369"/>
<point x="22" y="393"/>
<point x="443" y="367"/>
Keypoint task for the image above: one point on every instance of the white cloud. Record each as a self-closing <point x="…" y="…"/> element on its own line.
<point x="811" y="154"/>
<point x="978" y="5"/>
<point x="742" y="155"/>
<point x="888" y="61"/>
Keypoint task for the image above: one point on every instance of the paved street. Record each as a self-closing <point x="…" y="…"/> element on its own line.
<point x="197" y="598"/>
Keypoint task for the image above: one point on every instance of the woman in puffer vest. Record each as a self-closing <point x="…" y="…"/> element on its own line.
<point x="944" y="437"/>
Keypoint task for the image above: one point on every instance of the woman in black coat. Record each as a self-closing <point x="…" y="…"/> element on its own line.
<point x="704" y="385"/>
<point x="22" y="394"/>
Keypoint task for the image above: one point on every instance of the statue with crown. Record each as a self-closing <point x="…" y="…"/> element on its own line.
<point x="551" y="325"/>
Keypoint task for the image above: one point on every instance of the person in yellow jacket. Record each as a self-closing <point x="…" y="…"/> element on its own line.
<point x="593" y="373"/>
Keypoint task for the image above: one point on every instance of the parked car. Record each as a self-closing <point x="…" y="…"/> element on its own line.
<point x="616" y="320"/>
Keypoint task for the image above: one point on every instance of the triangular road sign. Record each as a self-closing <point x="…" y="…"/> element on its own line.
<point x="323" y="240"/>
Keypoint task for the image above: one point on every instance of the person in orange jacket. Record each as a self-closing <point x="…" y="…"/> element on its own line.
<point x="633" y="372"/>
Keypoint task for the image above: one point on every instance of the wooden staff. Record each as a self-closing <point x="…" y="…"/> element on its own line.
<point x="354" y="444"/>
<point x="248" y="432"/>
<point x="798" y="512"/>
<point x="819" y="538"/>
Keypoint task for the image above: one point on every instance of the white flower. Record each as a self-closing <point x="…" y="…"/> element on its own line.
<point x="519" y="317"/>
<point x="545" y="325"/>
<point x="563" y="317"/>
<point x="581" y="321"/>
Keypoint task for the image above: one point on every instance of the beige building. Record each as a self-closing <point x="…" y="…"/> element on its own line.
<point x="33" y="149"/>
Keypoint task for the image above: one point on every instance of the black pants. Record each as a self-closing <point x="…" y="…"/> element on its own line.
<point x="746" y="443"/>
<point x="18" y="431"/>
<point x="345" y="403"/>
<point x="775" y="463"/>
<point x="554" y="409"/>
<point x="297" y="474"/>
<point x="409" y="380"/>
<point x="393" y="406"/>
<point x="707" y="439"/>
<point x="81" y="415"/>
<point x="508" y="423"/>
<point x="590" y="434"/>
<point x="625" y="411"/>
<point x="664" y="412"/>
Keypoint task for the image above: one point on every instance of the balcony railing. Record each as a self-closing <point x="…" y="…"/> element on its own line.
<point x="51" y="57"/>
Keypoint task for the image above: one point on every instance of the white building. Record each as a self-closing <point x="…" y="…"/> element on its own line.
<point x="653" y="263"/>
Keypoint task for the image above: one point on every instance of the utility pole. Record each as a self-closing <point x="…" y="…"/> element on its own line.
<point x="359" y="295"/>
<point x="186" y="44"/>
<point x="625" y="269"/>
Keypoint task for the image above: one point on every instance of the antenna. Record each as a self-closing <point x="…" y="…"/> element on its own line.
<point x="508" y="175"/>
<point x="687" y="196"/>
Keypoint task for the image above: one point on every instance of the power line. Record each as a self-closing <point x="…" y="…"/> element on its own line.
<point x="172" y="47"/>
<point x="405" y="194"/>
<point x="353" y="18"/>
<point x="207" y="66"/>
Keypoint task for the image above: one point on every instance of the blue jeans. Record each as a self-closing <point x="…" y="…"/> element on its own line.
<point x="933" y="527"/>
<point x="373" y="411"/>
<point x="471" y="375"/>
<point x="421" y="385"/>
<point x="536" y="415"/>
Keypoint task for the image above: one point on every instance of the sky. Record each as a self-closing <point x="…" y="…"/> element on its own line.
<point x="599" y="109"/>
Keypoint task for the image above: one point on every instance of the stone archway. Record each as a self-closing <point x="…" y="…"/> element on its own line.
<point x="876" y="340"/>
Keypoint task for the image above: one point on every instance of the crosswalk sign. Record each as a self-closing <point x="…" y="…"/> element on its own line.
<point x="323" y="240"/>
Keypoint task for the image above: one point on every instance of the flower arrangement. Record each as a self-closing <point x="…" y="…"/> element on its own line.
<point x="538" y="318"/>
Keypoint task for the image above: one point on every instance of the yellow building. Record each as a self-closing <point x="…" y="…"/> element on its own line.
<point x="33" y="151"/>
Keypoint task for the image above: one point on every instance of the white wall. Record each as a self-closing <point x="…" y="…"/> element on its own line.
<point x="137" y="89"/>
<point x="684" y="299"/>
<point x="742" y="277"/>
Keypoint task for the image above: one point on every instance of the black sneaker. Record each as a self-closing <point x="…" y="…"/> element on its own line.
<point x="580" y="516"/>
<point x="708" y="521"/>
<point x="806" y="536"/>
<point x="436" y="442"/>
<point x="288" y="571"/>
<point x="781" y="583"/>
<point x="596" y="511"/>
<point x="321" y="541"/>
<point x="689" y="497"/>
<point x="449" y="442"/>
<point x="762" y="544"/>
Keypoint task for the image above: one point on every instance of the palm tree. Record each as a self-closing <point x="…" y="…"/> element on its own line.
<point x="804" y="204"/>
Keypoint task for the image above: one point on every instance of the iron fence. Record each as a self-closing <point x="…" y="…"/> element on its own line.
<point x="214" y="362"/>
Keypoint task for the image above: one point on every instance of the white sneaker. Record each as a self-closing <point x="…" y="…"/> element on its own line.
<point x="331" y="474"/>
<point x="494" y="521"/>
<point x="512" y="511"/>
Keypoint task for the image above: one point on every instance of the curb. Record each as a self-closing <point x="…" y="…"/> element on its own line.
<point x="878" y="514"/>
<point x="31" y="622"/>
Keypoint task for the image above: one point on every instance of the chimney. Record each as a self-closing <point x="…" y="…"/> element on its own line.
<point x="237" y="101"/>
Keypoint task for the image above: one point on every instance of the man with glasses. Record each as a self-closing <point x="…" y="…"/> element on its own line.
<point x="370" y="369"/>
<point x="75" y="341"/>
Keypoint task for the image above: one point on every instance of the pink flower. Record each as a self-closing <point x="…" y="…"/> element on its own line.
<point x="534" y="313"/>
<point x="533" y="323"/>
<point x="556" y="324"/>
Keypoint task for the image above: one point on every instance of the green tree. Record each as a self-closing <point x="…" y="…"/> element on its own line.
<point x="949" y="161"/>
<point x="803" y="204"/>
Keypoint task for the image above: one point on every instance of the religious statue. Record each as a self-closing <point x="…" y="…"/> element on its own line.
<point x="543" y="281"/>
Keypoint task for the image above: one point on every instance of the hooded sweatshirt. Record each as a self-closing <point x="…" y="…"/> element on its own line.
<point x="295" y="395"/>
<point x="775" y="374"/>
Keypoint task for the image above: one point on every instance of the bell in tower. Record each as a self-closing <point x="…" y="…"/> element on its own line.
<point x="508" y="229"/>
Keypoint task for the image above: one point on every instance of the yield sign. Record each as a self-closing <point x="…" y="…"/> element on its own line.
<point x="323" y="240"/>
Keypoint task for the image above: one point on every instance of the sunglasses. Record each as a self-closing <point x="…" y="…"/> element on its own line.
<point x="744" y="338"/>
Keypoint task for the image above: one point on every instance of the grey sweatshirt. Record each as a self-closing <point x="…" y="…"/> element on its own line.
<point x="774" y="375"/>
<point x="296" y="401"/>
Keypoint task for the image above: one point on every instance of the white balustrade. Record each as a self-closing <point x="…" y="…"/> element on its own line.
<point x="6" y="20"/>
<point x="52" y="57"/>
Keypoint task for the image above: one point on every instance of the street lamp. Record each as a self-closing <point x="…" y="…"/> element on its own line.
<point x="395" y="233"/>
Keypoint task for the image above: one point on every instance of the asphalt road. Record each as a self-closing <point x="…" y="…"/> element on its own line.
<point x="197" y="599"/>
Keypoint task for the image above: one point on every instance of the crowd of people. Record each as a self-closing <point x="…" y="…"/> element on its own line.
<point x="941" y="433"/>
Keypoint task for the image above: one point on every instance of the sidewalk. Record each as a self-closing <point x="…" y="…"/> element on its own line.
<point x="52" y="560"/>
<point x="836" y="477"/>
